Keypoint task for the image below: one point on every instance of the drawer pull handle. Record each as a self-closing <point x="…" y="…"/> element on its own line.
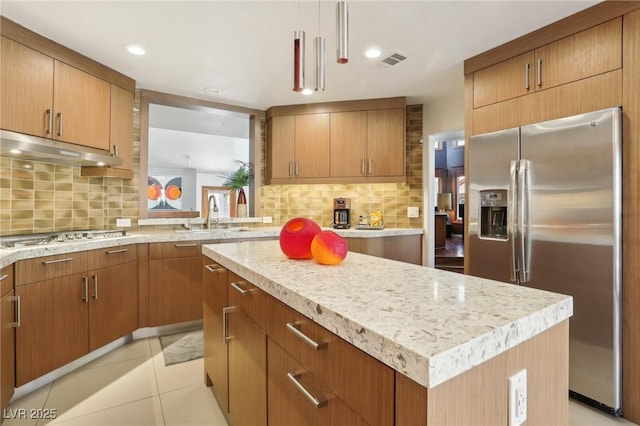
<point x="50" y="262"/>
<point x="4" y="277"/>
<point x="312" y="399"/>
<point x="240" y="289"/>
<point x="18" y="311"/>
<point x="213" y="268"/>
<point x="59" y="124"/>
<point x="186" y="245"/>
<point x="526" y="76"/>
<point x="539" y="72"/>
<point x="49" y="121"/>
<point x="117" y="251"/>
<point x="294" y="328"/>
<point x="95" y="287"/>
<point x="225" y="313"/>
<point x="85" y="280"/>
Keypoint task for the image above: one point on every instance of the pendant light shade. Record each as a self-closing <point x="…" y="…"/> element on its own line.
<point x="342" y="32"/>
<point x="321" y="60"/>
<point x="298" y="61"/>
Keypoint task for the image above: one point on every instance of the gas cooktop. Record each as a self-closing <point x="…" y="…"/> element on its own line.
<point x="57" y="237"/>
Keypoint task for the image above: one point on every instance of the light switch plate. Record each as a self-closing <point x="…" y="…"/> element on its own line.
<point x="267" y="219"/>
<point x="413" y="211"/>
<point x="123" y="223"/>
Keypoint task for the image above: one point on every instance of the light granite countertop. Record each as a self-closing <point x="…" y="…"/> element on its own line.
<point x="11" y="255"/>
<point x="428" y="324"/>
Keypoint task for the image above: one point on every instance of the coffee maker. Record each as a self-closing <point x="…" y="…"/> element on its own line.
<point x="341" y="208"/>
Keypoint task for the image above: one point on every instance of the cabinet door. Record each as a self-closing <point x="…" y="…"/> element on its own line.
<point x="7" y="349"/>
<point x="175" y="290"/>
<point x="121" y="135"/>
<point x="348" y="142"/>
<point x="247" y="371"/>
<point x="280" y="136"/>
<point x="83" y="102"/>
<point x="54" y="326"/>
<point x="214" y="280"/>
<point x="585" y="54"/>
<point x="26" y="90"/>
<point x="113" y="307"/>
<point x="312" y="146"/>
<point x="385" y="142"/>
<point x="506" y="80"/>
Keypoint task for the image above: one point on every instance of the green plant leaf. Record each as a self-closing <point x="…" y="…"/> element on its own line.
<point x="238" y="179"/>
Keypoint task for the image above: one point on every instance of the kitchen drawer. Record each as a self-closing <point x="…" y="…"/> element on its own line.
<point x="6" y="280"/>
<point x="304" y="402"/>
<point x="362" y="382"/>
<point x="46" y="268"/>
<point x="174" y="249"/>
<point x="110" y="256"/>
<point x="249" y="299"/>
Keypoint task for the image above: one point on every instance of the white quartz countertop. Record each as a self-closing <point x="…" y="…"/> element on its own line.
<point x="428" y="324"/>
<point x="10" y="255"/>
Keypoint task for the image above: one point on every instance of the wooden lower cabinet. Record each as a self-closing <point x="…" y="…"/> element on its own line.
<point x="405" y="248"/>
<point x="70" y="315"/>
<point x="175" y="283"/>
<point x="214" y="292"/>
<point x="7" y="341"/>
<point x="54" y="328"/>
<point x="113" y="311"/>
<point x="247" y="368"/>
<point x="296" y="397"/>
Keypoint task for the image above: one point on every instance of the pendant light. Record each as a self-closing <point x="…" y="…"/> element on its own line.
<point x="298" y="61"/>
<point x="320" y="45"/>
<point x="342" y="32"/>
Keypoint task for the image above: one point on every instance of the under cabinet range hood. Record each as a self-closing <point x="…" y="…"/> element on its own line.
<point x="28" y="147"/>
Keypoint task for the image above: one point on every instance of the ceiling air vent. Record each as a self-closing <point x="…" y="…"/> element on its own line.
<point x="394" y="59"/>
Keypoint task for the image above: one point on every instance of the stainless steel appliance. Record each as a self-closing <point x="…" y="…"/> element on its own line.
<point x="341" y="213"/>
<point x="545" y="211"/>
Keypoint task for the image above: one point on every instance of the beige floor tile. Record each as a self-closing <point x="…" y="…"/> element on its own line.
<point x="583" y="415"/>
<point x="191" y="406"/>
<point x="87" y="391"/>
<point x="136" y="349"/>
<point x="177" y="376"/>
<point x="18" y="412"/>
<point x="145" y="412"/>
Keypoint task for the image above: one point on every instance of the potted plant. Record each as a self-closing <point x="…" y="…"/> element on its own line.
<point x="236" y="181"/>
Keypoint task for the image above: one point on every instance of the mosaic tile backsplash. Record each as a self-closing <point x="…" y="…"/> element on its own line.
<point x="40" y="197"/>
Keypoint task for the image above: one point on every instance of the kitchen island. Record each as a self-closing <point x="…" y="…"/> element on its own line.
<point x="451" y="341"/>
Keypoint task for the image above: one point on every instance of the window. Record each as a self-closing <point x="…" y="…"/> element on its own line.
<point x="439" y="145"/>
<point x="460" y="193"/>
<point x="458" y="143"/>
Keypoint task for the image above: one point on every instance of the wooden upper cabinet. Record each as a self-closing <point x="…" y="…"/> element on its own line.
<point x="82" y="107"/>
<point x="506" y="80"/>
<point x="590" y="52"/>
<point x="280" y="140"/>
<point x="385" y="142"/>
<point x="587" y="53"/>
<point x="348" y="143"/>
<point x="26" y="91"/>
<point x="312" y="134"/>
<point x="121" y="126"/>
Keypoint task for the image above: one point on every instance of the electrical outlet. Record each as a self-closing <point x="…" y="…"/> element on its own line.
<point x="267" y="219"/>
<point x="413" y="212"/>
<point x="123" y="223"/>
<point x="518" y="398"/>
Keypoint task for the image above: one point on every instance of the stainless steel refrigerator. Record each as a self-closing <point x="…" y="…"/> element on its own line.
<point x="544" y="206"/>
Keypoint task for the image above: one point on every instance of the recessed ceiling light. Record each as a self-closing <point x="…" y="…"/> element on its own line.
<point x="373" y="52"/>
<point x="136" y="49"/>
<point x="307" y="92"/>
<point x="213" y="90"/>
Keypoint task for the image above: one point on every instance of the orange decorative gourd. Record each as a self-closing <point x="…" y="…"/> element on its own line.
<point x="328" y="248"/>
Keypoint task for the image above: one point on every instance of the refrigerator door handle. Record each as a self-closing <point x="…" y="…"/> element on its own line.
<point x="513" y="218"/>
<point x="523" y="219"/>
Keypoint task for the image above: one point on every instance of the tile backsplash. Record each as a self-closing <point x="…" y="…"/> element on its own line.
<point x="41" y="197"/>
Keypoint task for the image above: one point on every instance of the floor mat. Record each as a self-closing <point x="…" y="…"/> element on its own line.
<point x="182" y="347"/>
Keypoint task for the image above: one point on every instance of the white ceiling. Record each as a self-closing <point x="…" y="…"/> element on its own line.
<point x="245" y="48"/>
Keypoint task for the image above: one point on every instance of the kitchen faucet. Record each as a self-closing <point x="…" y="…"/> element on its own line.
<point x="213" y="208"/>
